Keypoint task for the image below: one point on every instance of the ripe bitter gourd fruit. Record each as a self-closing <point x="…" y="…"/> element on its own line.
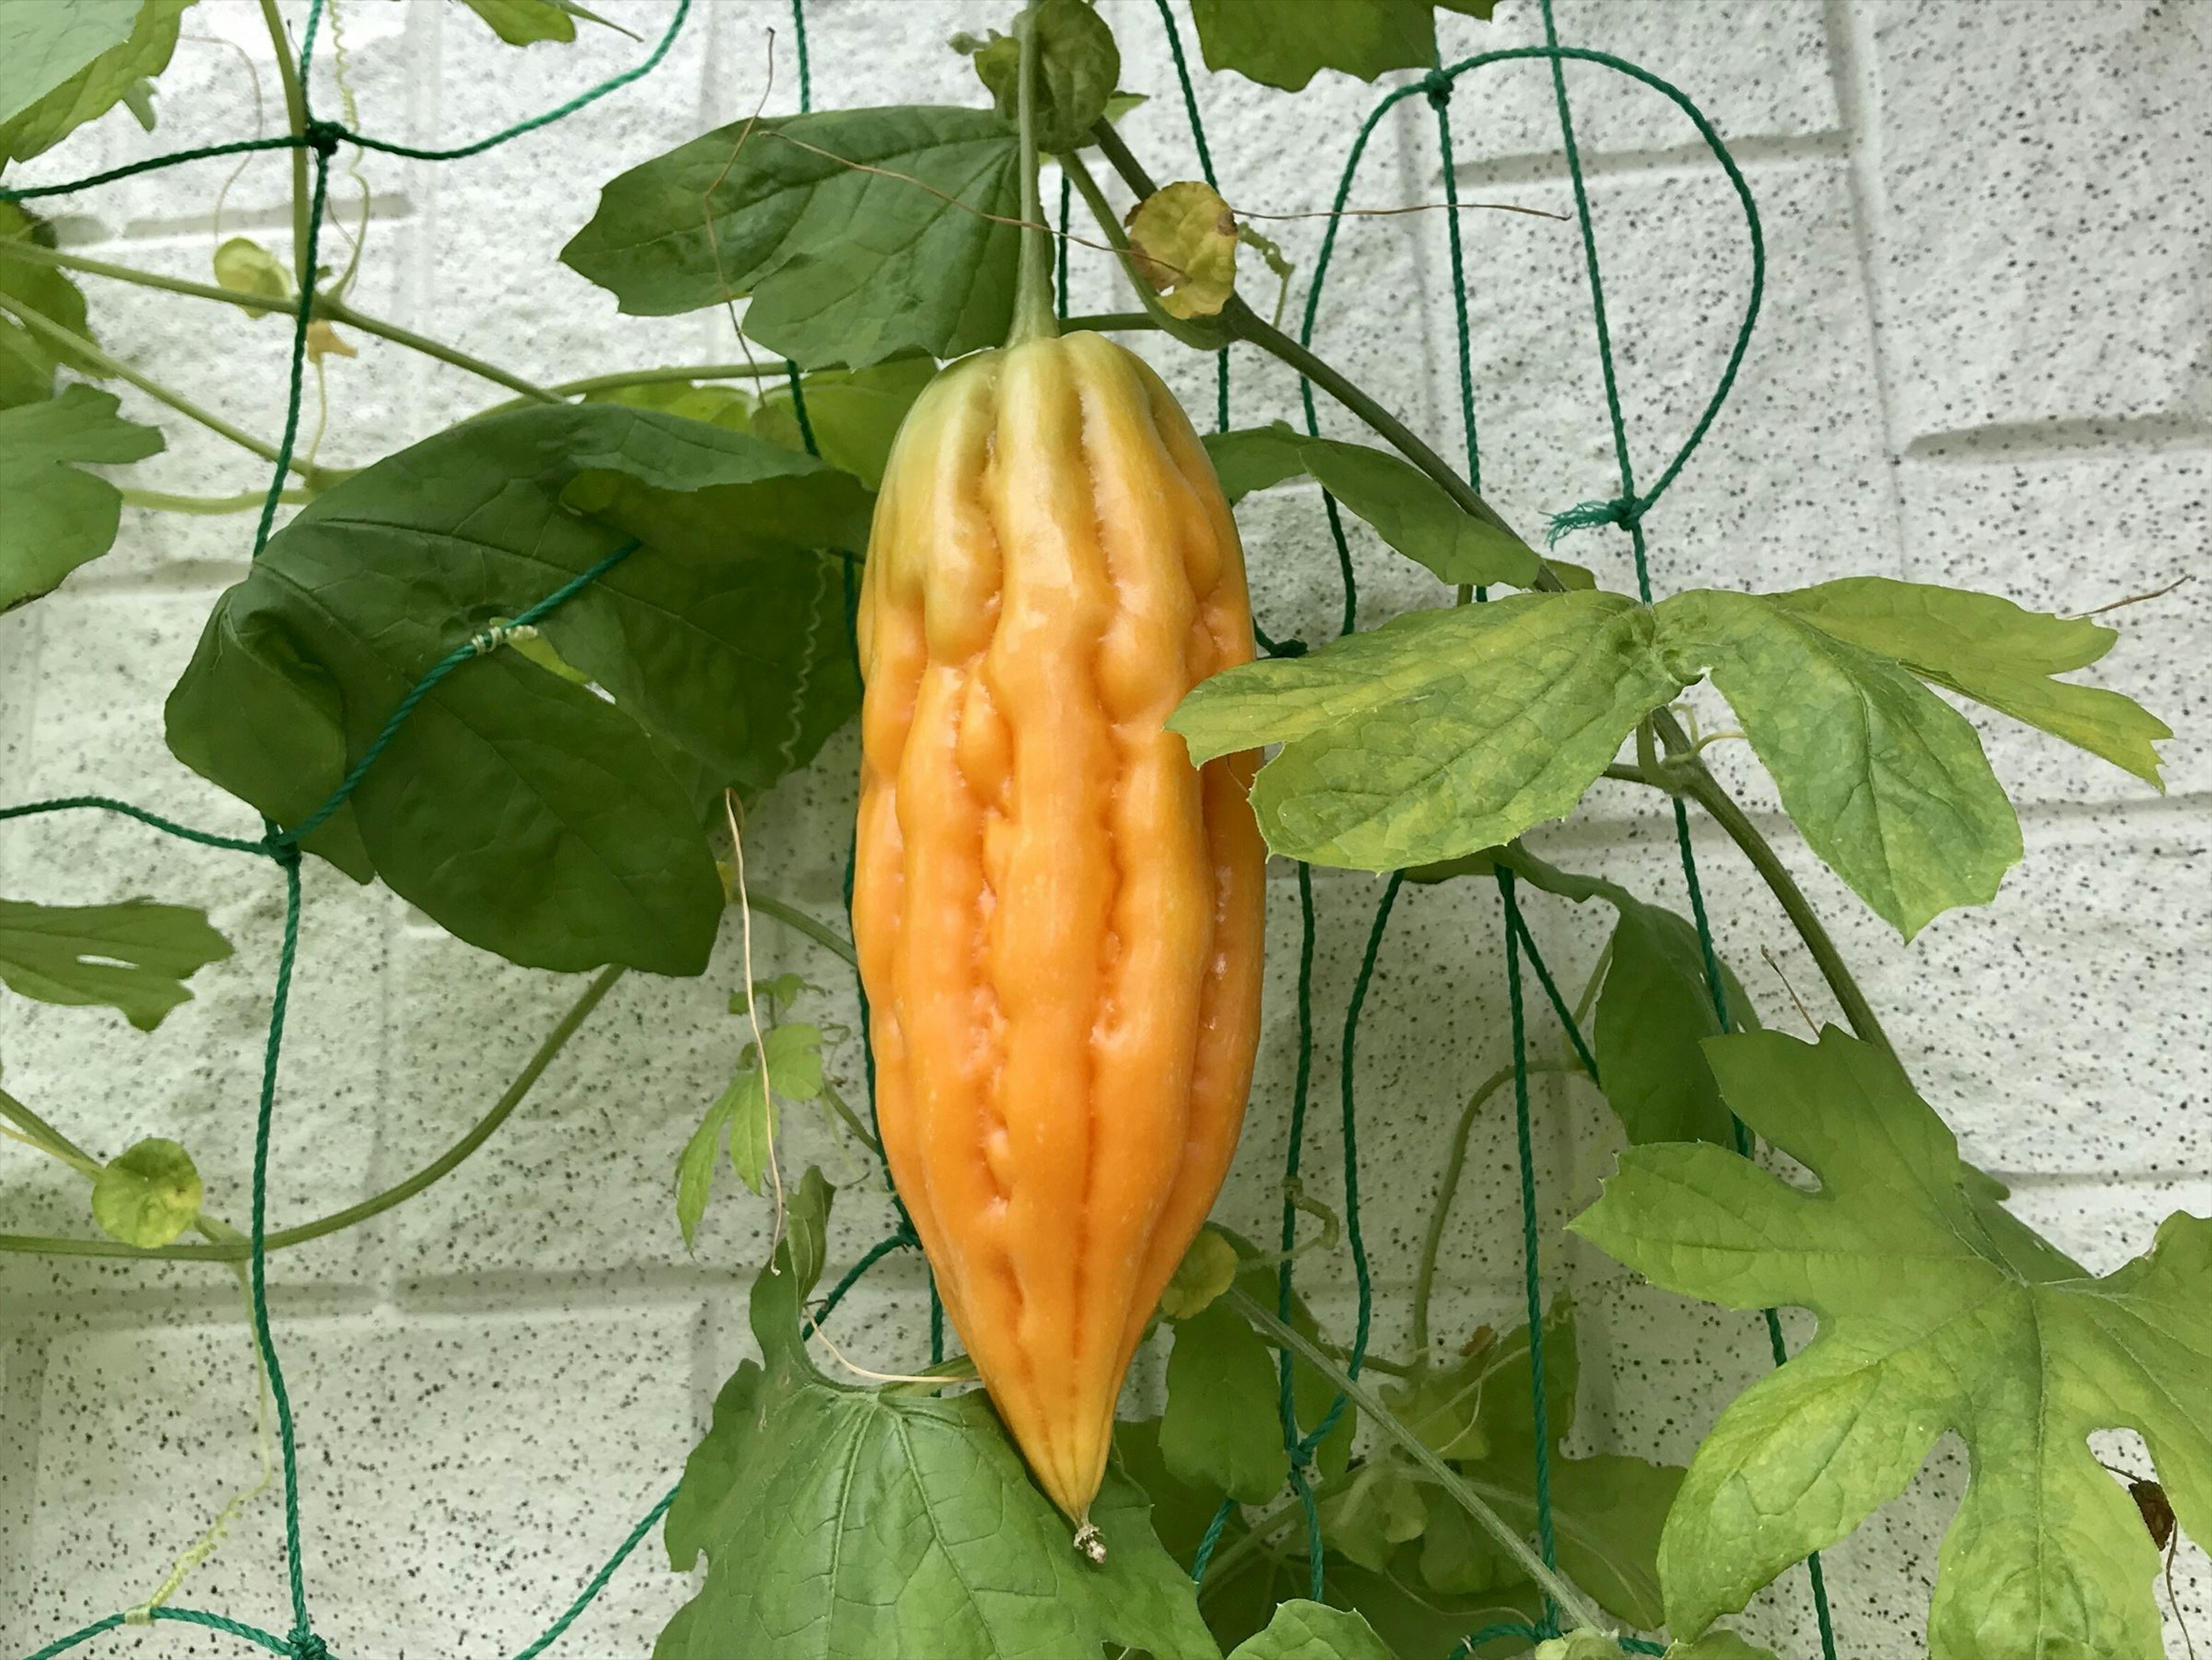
<point x="1059" y="918"/>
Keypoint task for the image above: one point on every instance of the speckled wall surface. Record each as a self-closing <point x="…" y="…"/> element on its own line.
<point x="1983" y="361"/>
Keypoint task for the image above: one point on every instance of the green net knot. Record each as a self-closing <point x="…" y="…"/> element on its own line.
<point x="1436" y="87"/>
<point x="1622" y="510"/>
<point x="322" y="137"/>
<point x="303" y="1645"/>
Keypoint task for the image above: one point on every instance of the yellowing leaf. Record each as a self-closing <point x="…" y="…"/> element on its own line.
<point x="1939" y="1311"/>
<point x="149" y="1196"/>
<point x="1184" y="239"/>
<point x="244" y="266"/>
<point x="1207" y="1269"/>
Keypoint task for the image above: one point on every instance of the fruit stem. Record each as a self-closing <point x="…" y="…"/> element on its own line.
<point x="1033" y="307"/>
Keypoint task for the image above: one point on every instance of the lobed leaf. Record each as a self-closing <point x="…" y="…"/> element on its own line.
<point x="134" y="957"/>
<point x="840" y="1521"/>
<point x="58" y="516"/>
<point x="1938" y="1311"/>
<point x="1886" y="781"/>
<point x="104" y="81"/>
<point x="1986" y="648"/>
<point x="845" y="262"/>
<point x="1439" y="733"/>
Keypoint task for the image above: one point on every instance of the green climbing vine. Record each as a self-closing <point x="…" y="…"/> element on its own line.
<point x="532" y="672"/>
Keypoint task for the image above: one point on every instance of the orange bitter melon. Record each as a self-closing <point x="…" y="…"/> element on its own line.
<point x="1059" y="918"/>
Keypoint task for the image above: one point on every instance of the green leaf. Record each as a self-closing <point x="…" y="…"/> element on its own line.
<point x="244" y="266"/>
<point x="524" y="22"/>
<point x="1368" y="1517"/>
<point x="1411" y="512"/>
<point x="1653" y="1017"/>
<point x="695" y="1167"/>
<point x="1249" y="458"/>
<point x="149" y="1196"/>
<point x="1581" y="1644"/>
<point x="1408" y="508"/>
<point x="1182" y="1513"/>
<point x="717" y="404"/>
<point x="30" y="128"/>
<point x="134" y="957"/>
<point x="1281" y="43"/>
<point x="1221" y="1429"/>
<point x="1077" y="63"/>
<point x="1938" y="1312"/>
<point x="840" y="1521"/>
<point x="854" y="413"/>
<point x="806" y="1230"/>
<point x="1608" y="1511"/>
<point x="1313" y="1631"/>
<point x="1438" y="733"/>
<point x="1991" y="650"/>
<point x="1312" y="1395"/>
<point x="752" y="1125"/>
<point x="520" y="811"/>
<point x="1716" y="1644"/>
<point x="844" y="266"/>
<point x="1886" y="781"/>
<point x="27" y="361"/>
<point x="58" y="517"/>
<point x="42" y="46"/>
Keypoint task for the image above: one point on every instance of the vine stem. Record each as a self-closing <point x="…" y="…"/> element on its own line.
<point x="1577" y="1608"/>
<point x="209" y="506"/>
<point x="229" y="1245"/>
<point x="819" y="932"/>
<point x="327" y="307"/>
<point x="295" y="114"/>
<point x="40" y="324"/>
<point x="1424" y="1273"/>
<point x="1697" y="782"/>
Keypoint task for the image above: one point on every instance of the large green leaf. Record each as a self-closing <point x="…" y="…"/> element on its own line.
<point x="1281" y="43"/>
<point x="49" y="116"/>
<point x="43" y="45"/>
<point x="134" y="957"/>
<point x="838" y="1521"/>
<point x="1313" y="1631"/>
<point x="843" y="265"/>
<point x="1886" y="781"/>
<point x="1221" y="1428"/>
<point x="1938" y="1311"/>
<point x="1440" y="733"/>
<point x="524" y="812"/>
<point x="1991" y="650"/>
<point x="1407" y="507"/>
<point x="58" y="516"/>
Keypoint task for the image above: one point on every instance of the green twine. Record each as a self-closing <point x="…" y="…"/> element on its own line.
<point x="599" y="1581"/>
<point x="805" y="74"/>
<point x="1629" y="511"/>
<point x="167" y="826"/>
<point x="1060" y="282"/>
<point x="1531" y="1243"/>
<point x="1519" y="924"/>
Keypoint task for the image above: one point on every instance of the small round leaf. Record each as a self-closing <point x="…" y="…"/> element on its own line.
<point x="147" y="1196"/>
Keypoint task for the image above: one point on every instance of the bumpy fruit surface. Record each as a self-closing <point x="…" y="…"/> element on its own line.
<point x="1059" y="918"/>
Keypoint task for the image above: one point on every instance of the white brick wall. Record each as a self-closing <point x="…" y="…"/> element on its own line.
<point x="1983" y="360"/>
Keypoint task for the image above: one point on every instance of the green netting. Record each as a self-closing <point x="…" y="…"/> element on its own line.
<point x="1627" y="510"/>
